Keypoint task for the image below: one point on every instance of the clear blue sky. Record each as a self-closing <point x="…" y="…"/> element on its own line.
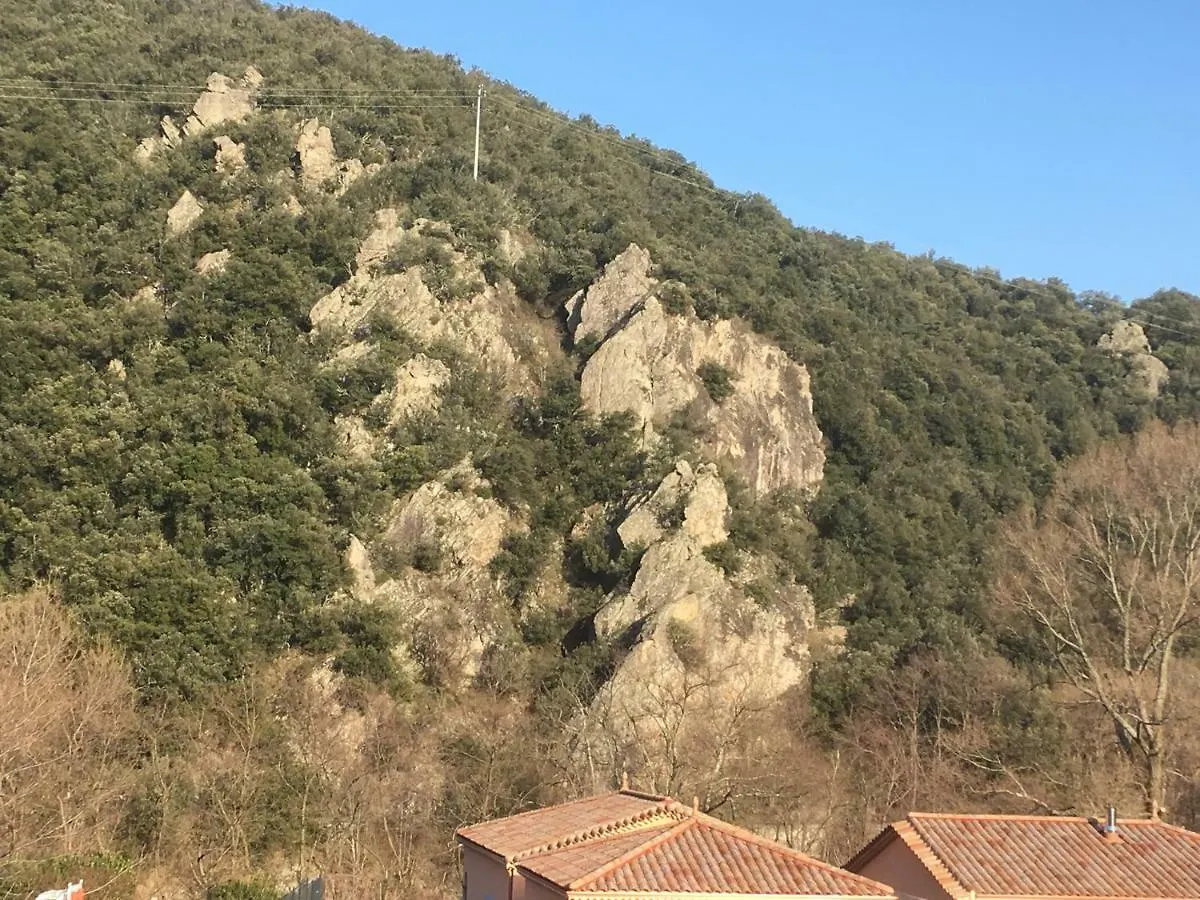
<point x="1039" y="137"/>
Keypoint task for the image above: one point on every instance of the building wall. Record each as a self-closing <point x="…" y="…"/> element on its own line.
<point x="536" y="891"/>
<point x="485" y="876"/>
<point x="899" y="867"/>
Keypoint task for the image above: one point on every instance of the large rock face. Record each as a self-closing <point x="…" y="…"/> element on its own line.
<point x="224" y="100"/>
<point x="650" y="363"/>
<point x="430" y="564"/>
<point x="1147" y="372"/>
<point x="701" y="650"/>
<point x="493" y="328"/>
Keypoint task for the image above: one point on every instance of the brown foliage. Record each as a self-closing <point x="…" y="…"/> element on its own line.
<point x="67" y="711"/>
<point x="1109" y="576"/>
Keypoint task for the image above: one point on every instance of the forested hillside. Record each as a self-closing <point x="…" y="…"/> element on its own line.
<point x="177" y="505"/>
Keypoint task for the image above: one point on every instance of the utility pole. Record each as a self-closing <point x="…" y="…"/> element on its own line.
<point x="478" y="117"/>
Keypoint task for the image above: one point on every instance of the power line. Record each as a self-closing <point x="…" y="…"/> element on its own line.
<point x="664" y="156"/>
<point x="631" y="162"/>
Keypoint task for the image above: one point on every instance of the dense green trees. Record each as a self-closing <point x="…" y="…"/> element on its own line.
<point x="169" y="462"/>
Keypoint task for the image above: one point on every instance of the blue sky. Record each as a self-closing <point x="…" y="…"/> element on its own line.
<point x="1049" y="138"/>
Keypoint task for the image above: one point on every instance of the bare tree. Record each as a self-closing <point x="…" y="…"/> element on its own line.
<point x="1109" y="575"/>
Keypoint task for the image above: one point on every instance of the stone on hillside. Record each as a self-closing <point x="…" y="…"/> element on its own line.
<point x="650" y="363"/>
<point x="314" y="147"/>
<point x="1148" y="373"/>
<point x="358" y="561"/>
<point x="492" y="327"/>
<point x="147" y="295"/>
<point x="293" y="207"/>
<point x="172" y="135"/>
<point x="184" y="214"/>
<point x="224" y="100"/>
<point x="418" y="387"/>
<point x="230" y="157"/>
<point x="213" y="263"/>
<point x="380" y="242"/>
<point x="252" y="79"/>
<point x="699" y="646"/>
<point x="465" y="529"/>
<point x="626" y="281"/>
<point x="319" y="163"/>
<point x="354" y="439"/>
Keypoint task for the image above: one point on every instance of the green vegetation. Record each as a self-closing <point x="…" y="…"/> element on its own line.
<point x="717" y="380"/>
<point x="191" y="506"/>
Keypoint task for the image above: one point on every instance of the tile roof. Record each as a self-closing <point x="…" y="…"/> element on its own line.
<point x="1048" y="856"/>
<point x="627" y="843"/>
<point x="542" y="829"/>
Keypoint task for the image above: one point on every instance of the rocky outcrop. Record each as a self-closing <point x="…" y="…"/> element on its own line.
<point x="463" y="528"/>
<point x="493" y="328"/>
<point x="1148" y="373"/>
<point x="319" y="166"/>
<point x="355" y="440"/>
<point x="699" y="645"/>
<point x="653" y="364"/>
<point x="418" y="387"/>
<point x="230" y="157"/>
<point x="315" y="153"/>
<point x="224" y="100"/>
<point x="430" y="564"/>
<point x="213" y="263"/>
<point x="169" y="136"/>
<point x="626" y="282"/>
<point x="184" y="214"/>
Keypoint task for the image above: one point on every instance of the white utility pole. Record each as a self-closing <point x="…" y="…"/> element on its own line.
<point x="478" y="117"/>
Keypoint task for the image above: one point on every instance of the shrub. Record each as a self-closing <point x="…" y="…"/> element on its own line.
<point x="717" y="379"/>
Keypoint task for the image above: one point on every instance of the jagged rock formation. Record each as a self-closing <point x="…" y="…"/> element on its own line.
<point x="418" y="386"/>
<point x="354" y="438"/>
<point x="435" y="546"/>
<point x="223" y="100"/>
<point x="492" y="327"/>
<point x="1148" y="372"/>
<point x="184" y="214"/>
<point x="230" y="156"/>
<point x="318" y="162"/>
<point x="625" y="283"/>
<point x="651" y="364"/>
<point x="700" y="647"/>
<point x="213" y="263"/>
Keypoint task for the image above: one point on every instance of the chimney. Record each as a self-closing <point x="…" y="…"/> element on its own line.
<point x="1110" y="827"/>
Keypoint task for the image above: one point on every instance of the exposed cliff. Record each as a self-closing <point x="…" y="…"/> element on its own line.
<point x="487" y="323"/>
<point x="654" y="364"/>
<point x="701" y="649"/>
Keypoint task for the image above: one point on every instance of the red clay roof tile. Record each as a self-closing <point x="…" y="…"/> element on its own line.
<point x="1046" y="856"/>
<point x="541" y="829"/>
<point x="627" y="843"/>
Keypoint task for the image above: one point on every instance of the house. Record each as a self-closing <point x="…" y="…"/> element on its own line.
<point x="936" y="856"/>
<point x="626" y="845"/>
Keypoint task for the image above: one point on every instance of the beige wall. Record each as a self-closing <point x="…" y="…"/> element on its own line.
<point x="485" y="876"/>
<point x="899" y="867"/>
<point x="537" y="891"/>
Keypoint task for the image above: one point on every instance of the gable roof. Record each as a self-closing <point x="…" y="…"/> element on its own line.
<point x="1048" y="856"/>
<point x="656" y="845"/>
<point x="551" y="826"/>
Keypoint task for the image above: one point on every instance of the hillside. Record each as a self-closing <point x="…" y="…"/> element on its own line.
<point x="411" y="499"/>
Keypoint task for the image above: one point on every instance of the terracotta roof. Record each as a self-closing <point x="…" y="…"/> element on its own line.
<point x="1049" y="856"/>
<point x="637" y="843"/>
<point x="553" y="826"/>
